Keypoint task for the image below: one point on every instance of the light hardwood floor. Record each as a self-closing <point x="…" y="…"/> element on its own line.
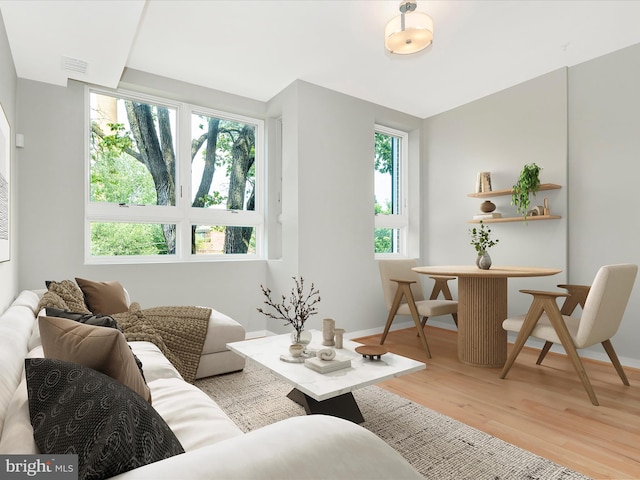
<point x="541" y="408"/>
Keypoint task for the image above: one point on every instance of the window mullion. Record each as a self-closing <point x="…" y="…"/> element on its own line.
<point x="183" y="194"/>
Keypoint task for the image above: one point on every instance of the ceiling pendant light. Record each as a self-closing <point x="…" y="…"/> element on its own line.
<point x="409" y="32"/>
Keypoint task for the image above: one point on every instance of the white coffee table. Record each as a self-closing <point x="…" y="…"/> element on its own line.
<point x="328" y="393"/>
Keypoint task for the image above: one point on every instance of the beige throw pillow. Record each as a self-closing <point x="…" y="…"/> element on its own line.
<point x="64" y="295"/>
<point x="104" y="298"/>
<point x="100" y="348"/>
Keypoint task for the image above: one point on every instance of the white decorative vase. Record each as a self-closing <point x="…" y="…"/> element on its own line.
<point x="339" y="337"/>
<point x="328" y="332"/>
<point x="296" y="349"/>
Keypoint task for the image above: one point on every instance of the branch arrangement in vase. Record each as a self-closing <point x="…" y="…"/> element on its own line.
<point x="297" y="310"/>
<point x="481" y="238"/>
<point x="482" y="242"/>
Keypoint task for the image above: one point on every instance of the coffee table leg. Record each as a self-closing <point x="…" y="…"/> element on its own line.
<point x="343" y="406"/>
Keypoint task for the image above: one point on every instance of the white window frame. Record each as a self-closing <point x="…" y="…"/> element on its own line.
<point x="399" y="221"/>
<point x="182" y="214"/>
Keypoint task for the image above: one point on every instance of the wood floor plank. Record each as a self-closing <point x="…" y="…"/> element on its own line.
<point x="541" y="408"/>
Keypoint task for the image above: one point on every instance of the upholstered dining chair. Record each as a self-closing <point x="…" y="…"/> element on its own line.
<point x="403" y="296"/>
<point x="603" y="304"/>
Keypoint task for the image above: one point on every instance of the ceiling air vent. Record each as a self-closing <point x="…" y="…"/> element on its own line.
<point x="74" y="65"/>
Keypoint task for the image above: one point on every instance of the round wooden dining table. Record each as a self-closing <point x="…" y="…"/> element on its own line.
<point x="482" y="307"/>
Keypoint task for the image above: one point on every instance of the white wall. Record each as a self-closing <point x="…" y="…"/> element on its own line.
<point x="604" y="168"/>
<point x="327" y="200"/>
<point x="499" y="134"/>
<point x="8" y="81"/>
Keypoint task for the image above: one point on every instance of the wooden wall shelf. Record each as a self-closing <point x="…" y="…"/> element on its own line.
<point x="509" y="191"/>
<point x="517" y="219"/>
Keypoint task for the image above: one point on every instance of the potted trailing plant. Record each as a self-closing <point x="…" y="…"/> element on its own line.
<point x="482" y="242"/>
<point x="528" y="182"/>
<point x="296" y="310"/>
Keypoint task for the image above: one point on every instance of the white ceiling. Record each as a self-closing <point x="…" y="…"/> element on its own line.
<point x="257" y="48"/>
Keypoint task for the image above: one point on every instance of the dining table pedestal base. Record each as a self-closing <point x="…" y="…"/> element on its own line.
<point x="482" y="307"/>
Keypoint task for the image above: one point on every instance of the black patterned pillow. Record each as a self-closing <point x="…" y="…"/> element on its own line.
<point x="77" y="410"/>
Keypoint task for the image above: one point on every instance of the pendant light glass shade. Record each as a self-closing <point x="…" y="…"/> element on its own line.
<point x="408" y="33"/>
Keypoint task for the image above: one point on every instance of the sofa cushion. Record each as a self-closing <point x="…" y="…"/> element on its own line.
<point x="87" y="318"/>
<point x="27" y="298"/>
<point x="16" y="324"/>
<point x="193" y="416"/>
<point x="105" y="298"/>
<point x="64" y="295"/>
<point x="103" y="349"/>
<point x="74" y="409"/>
<point x="156" y="364"/>
<point x="222" y="330"/>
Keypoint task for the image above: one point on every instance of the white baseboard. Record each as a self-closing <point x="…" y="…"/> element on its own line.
<point x="532" y="342"/>
<point x="258" y="334"/>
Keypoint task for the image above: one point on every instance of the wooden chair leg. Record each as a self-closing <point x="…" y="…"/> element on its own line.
<point x="567" y="342"/>
<point x="392" y="313"/>
<point x="577" y="296"/>
<point x="422" y="324"/>
<point x="424" y="321"/>
<point x="608" y="347"/>
<point x="441" y="285"/>
<point x="533" y="315"/>
<point x="416" y="317"/>
<point x="543" y="352"/>
<point x="404" y="290"/>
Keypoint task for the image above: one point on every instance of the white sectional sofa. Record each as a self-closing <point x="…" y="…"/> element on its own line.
<point x="314" y="446"/>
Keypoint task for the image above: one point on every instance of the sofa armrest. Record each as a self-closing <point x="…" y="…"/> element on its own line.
<point x="315" y="446"/>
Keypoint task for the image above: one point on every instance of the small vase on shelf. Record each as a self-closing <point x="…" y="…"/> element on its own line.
<point x="487" y="206"/>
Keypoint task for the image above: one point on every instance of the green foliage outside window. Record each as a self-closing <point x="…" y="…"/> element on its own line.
<point x="117" y="239"/>
<point x="135" y="163"/>
<point x="384" y="241"/>
<point x="115" y="178"/>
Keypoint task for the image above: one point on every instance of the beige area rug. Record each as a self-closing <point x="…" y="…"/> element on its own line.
<point x="439" y="447"/>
